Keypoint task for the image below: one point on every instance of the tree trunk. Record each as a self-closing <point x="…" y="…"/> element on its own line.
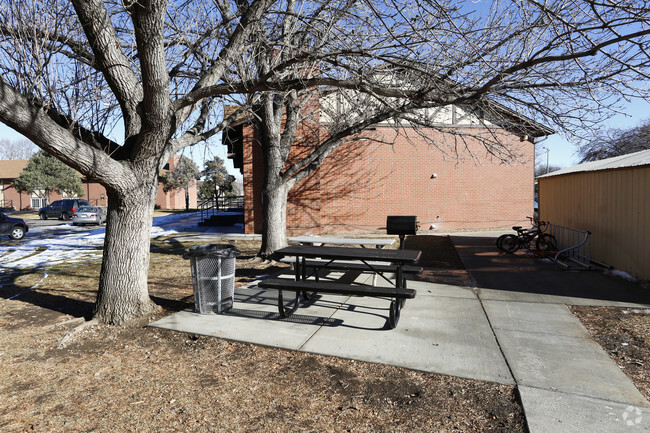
<point x="274" y="229"/>
<point x="123" y="293"/>
<point x="187" y="199"/>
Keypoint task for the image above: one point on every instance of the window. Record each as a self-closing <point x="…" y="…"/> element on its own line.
<point x="38" y="202"/>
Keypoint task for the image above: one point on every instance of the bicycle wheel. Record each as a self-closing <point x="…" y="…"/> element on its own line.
<point x="500" y="239"/>
<point x="510" y="243"/>
<point x="546" y="242"/>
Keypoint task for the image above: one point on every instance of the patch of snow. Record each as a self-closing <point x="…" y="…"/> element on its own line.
<point x="637" y="311"/>
<point x="77" y="245"/>
<point x="621" y="274"/>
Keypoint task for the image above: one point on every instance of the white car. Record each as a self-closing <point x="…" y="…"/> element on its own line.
<point x="89" y="215"/>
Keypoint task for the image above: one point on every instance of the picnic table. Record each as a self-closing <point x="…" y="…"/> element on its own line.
<point x="330" y="240"/>
<point x="379" y="261"/>
<point x="316" y="240"/>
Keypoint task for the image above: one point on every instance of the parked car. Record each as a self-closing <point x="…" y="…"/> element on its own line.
<point x="89" y="215"/>
<point x="14" y="227"/>
<point x="62" y="209"/>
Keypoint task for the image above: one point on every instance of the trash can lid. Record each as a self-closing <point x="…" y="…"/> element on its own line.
<point x="213" y="250"/>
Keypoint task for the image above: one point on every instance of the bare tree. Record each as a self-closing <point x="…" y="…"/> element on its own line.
<point x="72" y="71"/>
<point x="615" y="142"/>
<point x="16" y="149"/>
<point x="350" y="65"/>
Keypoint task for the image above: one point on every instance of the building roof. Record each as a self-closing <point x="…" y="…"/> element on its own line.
<point x="11" y="169"/>
<point x="624" y="161"/>
<point x="515" y="121"/>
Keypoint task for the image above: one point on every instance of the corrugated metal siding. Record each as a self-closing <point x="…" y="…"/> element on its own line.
<point x="614" y="205"/>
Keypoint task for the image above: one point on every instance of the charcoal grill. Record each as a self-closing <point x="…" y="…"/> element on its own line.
<point x="401" y="226"/>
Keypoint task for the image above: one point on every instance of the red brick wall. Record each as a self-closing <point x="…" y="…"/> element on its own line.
<point x="363" y="182"/>
<point x="368" y="181"/>
<point x="11" y="197"/>
<point x="94" y="193"/>
<point x="304" y="205"/>
<point x="253" y="173"/>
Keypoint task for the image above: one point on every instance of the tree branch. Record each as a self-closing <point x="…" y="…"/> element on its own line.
<point x="111" y="60"/>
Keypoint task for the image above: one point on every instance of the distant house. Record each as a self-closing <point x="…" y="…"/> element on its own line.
<point x="611" y="199"/>
<point x="363" y="182"/>
<point x="94" y="192"/>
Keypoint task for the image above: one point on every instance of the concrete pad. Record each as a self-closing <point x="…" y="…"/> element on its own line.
<point x="255" y="319"/>
<point x="520" y="277"/>
<point x="448" y="335"/>
<point x="568" y="364"/>
<point x="535" y="318"/>
<point x="556" y="412"/>
<point x="287" y="335"/>
<point x="548" y="348"/>
<point x="441" y="335"/>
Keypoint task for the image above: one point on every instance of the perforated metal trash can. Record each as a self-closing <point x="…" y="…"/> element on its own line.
<point x="213" y="277"/>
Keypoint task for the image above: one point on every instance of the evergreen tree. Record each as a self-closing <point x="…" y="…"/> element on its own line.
<point x="216" y="180"/>
<point x="44" y="173"/>
<point x="181" y="177"/>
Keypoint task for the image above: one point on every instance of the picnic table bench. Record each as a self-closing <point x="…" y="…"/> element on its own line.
<point x="375" y="260"/>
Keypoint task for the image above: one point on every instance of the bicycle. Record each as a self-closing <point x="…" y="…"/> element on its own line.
<point x="533" y="239"/>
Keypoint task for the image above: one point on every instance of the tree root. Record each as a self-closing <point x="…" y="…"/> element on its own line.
<point x="67" y="338"/>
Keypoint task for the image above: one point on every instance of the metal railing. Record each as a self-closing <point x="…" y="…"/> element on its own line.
<point x="215" y="205"/>
<point x="572" y="244"/>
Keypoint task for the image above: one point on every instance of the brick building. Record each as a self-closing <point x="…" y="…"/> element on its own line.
<point x="94" y="192"/>
<point x="362" y="182"/>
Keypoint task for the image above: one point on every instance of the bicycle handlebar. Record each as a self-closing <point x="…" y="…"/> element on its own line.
<point x="541" y="225"/>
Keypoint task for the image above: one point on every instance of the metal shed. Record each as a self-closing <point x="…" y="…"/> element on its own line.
<point x="611" y="199"/>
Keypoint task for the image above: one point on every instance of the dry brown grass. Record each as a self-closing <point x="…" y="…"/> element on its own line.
<point x="134" y="378"/>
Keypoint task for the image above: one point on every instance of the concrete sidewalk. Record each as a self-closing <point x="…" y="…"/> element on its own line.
<point x="443" y="330"/>
<point x="522" y="333"/>
<point x="566" y="381"/>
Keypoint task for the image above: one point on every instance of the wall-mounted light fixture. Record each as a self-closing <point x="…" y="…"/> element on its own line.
<point x="433" y="176"/>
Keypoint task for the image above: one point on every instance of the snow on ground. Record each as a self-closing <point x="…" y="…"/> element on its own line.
<point x="621" y="274"/>
<point x="53" y="245"/>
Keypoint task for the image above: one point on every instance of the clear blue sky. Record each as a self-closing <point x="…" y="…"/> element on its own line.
<point x="564" y="154"/>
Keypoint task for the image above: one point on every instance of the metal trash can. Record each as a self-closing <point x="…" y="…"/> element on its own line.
<point x="213" y="276"/>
